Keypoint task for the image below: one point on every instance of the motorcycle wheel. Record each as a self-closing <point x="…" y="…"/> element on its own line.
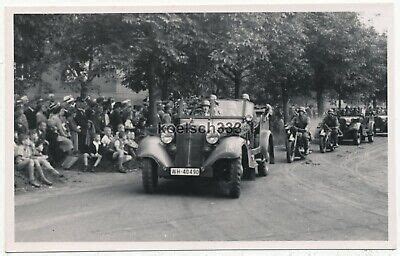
<point x="357" y="138"/>
<point x="371" y="138"/>
<point x="322" y="144"/>
<point x="290" y="151"/>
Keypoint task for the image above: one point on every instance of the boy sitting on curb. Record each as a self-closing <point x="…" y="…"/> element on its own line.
<point x="95" y="151"/>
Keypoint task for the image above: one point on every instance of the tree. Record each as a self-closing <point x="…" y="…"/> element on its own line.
<point x="88" y="47"/>
<point x="287" y="72"/>
<point x="32" y="36"/>
<point x="155" y="53"/>
<point x="238" y="44"/>
<point x="331" y="49"/>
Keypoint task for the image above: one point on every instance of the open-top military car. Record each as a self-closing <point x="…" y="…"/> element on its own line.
<point x="225" y="144"/>
<point x="356" y="128"/>
<point x="381" y="123"/>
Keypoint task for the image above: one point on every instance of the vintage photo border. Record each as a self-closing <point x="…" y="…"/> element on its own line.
<point x="12" y="246"/>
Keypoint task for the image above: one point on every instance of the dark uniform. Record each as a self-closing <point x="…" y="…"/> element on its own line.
<point x="302" y="122"/>
<point x="81" y="120"/>
<point x="333" y="123"/>
<point x="30" y="114"/>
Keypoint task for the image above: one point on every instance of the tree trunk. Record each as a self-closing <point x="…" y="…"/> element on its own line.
<point x="152" y="95"/>
<point x="319" y="87"/>
<point x="238" y="82"/>
<point x="84" y="89"/>
<point x="374" y="102"/>
<point x="285" y="103"/>
<point x="164" y="90"/>
<point x="320" y="101"/>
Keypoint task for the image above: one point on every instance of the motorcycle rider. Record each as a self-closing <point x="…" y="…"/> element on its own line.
<point x="332" y="122"/>
<point x="301" y="122"/>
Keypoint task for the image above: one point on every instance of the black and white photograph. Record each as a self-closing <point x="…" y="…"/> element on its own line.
<point x="200" y="126"/>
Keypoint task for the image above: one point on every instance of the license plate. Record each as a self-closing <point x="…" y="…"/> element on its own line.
<point x="185" y="171"/>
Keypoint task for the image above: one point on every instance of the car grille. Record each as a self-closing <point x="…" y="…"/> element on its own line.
<point x="189" y="149"/>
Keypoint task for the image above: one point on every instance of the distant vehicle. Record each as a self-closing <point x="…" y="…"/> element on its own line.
<point x="325" y="139"/>
<point x="241" y="143"/>
<point x="294" y="146"/>
<point x="381" y="124"/>
<point x="357" y="128"/>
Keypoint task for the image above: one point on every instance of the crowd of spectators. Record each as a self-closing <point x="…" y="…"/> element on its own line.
<point x="47" y="133"/>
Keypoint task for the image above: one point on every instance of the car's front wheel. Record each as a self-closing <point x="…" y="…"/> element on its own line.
<point x="235" y="172"/>
<point x="149" y="175"/>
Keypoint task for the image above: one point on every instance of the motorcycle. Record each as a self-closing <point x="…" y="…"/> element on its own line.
<point x="325" y="139"/>
<point x="294" y="145"/>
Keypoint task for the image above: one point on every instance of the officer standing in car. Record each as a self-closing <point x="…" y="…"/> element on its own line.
<point x="302" y="121"/>
<point x="205" y="107"/>
<point x="333" y="123"/>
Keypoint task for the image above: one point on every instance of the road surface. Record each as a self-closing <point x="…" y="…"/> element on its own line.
<point x="333" y="196"/>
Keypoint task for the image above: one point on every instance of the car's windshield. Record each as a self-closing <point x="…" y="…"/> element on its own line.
<point x="222" y="108"/>
<point x="229" y="108"/>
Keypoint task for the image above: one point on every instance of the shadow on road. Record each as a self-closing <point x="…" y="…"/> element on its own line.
<point x="201" y="188"/>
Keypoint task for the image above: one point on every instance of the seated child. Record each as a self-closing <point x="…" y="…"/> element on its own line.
<point x="131" y="144"/>
<point x="95" y="151"/>
<point x="120" y="128"/>
<point x="120" y="153"/>
<point x="37" y="148"/>
<point x="24" y="159"/>
<point x="108" y="142"/>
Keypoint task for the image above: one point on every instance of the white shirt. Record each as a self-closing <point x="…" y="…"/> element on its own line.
<point x="96" y="145"/>
<point x="106" y="140"/>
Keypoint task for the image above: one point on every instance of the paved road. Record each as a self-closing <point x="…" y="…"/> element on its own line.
<point x="332" y="196"/>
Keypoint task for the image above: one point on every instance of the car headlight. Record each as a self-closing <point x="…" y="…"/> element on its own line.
<point x="167" y="137"/>
<point x="248" y="118"/>
<point x="212" y="138"/>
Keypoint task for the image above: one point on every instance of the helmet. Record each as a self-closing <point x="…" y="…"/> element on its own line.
<point x="213" y="97"/>
<point x="205" y="103"/>
<point x="302" y="109"/>
<point x="330" y="111"/>
<point x="245" y="96"/>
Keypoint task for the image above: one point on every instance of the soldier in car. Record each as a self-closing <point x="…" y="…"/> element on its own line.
<point x="332" y="122"/>
<point x="301" y="122"/>
<point x="205" y="107"/>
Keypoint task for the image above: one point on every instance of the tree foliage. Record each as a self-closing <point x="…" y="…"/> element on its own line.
<point x="272" y="56"/>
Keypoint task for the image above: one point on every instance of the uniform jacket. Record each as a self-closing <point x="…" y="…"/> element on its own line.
<point x="331" y="121"/>
<point x="301" y="122"/>
<point x="73" y="126"/>
<point x="31" y="117"/>
<point x="40" y="117"/>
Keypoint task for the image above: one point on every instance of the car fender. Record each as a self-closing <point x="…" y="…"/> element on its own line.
<point x="152" y="147"/>
<point x="265" y="139"/>
<point x="228" y="147"/>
